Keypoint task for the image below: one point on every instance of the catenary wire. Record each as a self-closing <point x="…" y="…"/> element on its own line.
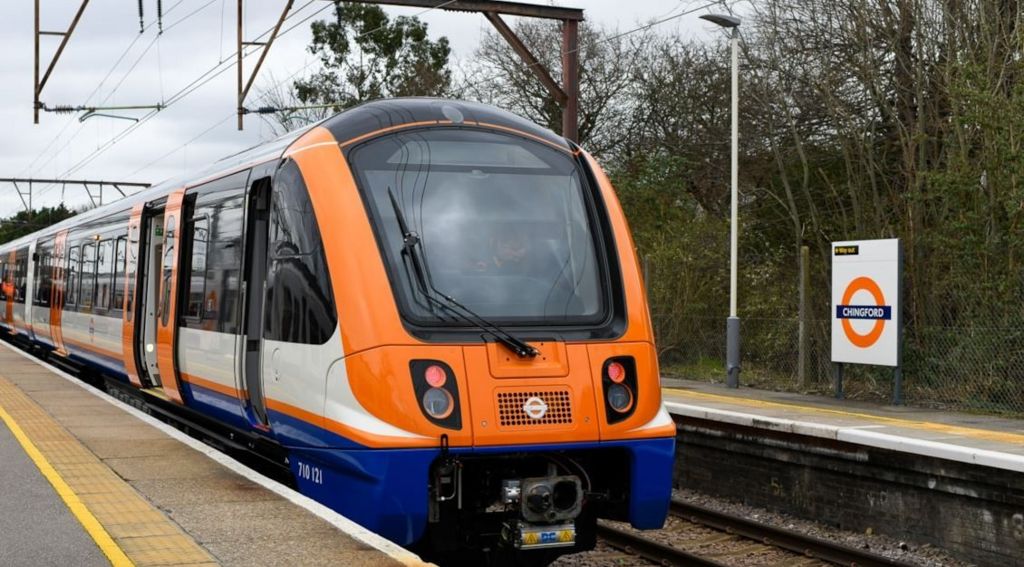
<point x="88" y="99"/>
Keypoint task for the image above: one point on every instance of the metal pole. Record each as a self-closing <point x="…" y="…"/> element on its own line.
<point x="570" y="79"/>
<point x="838" y="380"/>
<point x="35" y="93"/>
<point x="733" y="324"/>
<point x="803" y="348"/>
<point x="238" y="63"/>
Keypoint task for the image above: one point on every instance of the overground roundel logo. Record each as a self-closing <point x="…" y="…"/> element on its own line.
<point x="535" y="408"/>
<point x="879" y="312"/>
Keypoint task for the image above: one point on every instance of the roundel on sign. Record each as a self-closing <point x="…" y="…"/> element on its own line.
<point x="879" y="312"/>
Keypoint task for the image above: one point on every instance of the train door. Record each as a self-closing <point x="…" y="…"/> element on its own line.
<point x="42" y="289"/>
<point x="31" y="281"/>
<point x="167" y="303"/>
<point x="152" y="228"/>
<point x="129" y="341"/>
<point x="58" y="291"/>
<point x="9" y="290"/>
<point x="255" y="272"/>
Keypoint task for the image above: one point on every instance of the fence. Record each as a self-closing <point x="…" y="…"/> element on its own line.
<point x="955" y="368"/>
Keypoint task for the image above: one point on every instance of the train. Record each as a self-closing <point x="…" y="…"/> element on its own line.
<point x="430" y="312"/>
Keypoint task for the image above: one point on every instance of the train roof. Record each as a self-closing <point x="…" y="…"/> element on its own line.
<point x="347" y="125"/>
<point x="390" y="113"/>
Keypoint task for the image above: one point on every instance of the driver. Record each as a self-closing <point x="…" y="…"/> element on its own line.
<point x="509" y="252"/>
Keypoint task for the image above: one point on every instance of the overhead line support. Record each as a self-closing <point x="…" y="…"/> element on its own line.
<point x="528" y="57"/>
<point x="491" y="6"/>
<point x="65" y="36"/>
<point x="245" y="85"/>
<point x="26" y="196"/>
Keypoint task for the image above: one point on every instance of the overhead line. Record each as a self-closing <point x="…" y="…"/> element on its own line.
<point x="93" y="93"/>
<point x="117" y="87"/>
<point x="203" y="79"/>
<point x="606" y="40"/>
<point x="230" y="63"/>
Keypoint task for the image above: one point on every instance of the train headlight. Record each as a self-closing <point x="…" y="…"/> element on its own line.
<point x="619" y="383"/>
<point x="437" y="392"/>
<point x="438" y="403"/>
<point x="620" y="398"/>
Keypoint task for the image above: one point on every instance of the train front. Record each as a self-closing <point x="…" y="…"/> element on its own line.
<point x="502" y="381"/>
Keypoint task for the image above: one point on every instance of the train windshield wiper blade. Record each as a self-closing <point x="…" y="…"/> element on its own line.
<point x="410" y="243"/>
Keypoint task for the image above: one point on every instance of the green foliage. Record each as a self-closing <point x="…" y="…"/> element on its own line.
<point x="884" y="120"/>
<point x="366" y="55"/>
<point x="27" y="222"/>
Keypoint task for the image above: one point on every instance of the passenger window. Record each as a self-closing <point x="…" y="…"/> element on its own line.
<point x="3" y="281"/>
<point x="119" y="259"/>
<point x="195" y="282"/>
<point x="168" y="271"/>
<point x="133" y="264"/>
<point x="104" y="274"/>
<point x="299" y="305"/>
<point x="71" y="278"/>
<point x="21" y="275"/>
<point x="87" y="293"/>
<point x="44" y="276"/>
<point x="223" y="266"/>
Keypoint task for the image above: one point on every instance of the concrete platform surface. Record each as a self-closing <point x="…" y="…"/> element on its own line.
<point x="982" y="440"/>
<point x="87" y="480"/>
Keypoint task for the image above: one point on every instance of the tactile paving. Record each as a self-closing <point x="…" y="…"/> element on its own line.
<point x="144" y="535"/>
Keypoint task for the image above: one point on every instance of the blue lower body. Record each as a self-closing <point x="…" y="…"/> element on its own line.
<point x="386" y="490"/>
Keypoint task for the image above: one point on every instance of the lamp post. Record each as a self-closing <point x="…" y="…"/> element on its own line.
<point x="732" y="326"/>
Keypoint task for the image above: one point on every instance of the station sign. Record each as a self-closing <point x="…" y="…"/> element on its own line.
<point x="866" y="321"/>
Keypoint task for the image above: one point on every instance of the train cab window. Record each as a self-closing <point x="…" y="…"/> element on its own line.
<point x="299" y="305"/>
<point x="71" y="278"/>
<point x="195" y="281"/>
<point x="536" y="257"/>
<point x="104" y="274"/>
<point x="87" y="291"/>
<point x="119" y="266"/>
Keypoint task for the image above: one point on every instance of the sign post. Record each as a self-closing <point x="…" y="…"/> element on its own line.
<point x="866" y="297"/>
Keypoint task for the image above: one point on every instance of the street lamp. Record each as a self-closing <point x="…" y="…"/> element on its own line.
<point x="732" y="325"/>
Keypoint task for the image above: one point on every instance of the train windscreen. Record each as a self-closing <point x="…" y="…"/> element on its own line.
<point x="503" y="226"/>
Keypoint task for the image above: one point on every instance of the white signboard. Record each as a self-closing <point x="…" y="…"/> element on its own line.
<point x="866" y="302"/>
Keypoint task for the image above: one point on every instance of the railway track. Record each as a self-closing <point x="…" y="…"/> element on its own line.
<point x="744" y="533"/>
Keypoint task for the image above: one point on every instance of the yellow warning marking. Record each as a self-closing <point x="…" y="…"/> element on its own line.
<point x="92" y="526"/>
<point x="126" y="527"/>
<point x="956" y="430"/>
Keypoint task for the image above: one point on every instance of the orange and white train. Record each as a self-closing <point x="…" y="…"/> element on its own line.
<point x="431" y="310"/>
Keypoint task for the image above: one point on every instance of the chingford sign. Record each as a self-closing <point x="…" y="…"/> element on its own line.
<point x="866" y="302"/>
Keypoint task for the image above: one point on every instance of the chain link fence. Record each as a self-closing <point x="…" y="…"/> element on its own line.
<point x="959" y="369"/>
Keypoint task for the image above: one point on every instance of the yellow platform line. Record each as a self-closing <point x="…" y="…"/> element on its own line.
<point x="128" y="529"/>
<point x="92" y="526"/>
<point x="954" y="430"/>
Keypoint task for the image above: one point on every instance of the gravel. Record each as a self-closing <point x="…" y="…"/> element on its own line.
<point x="707" y="542"/>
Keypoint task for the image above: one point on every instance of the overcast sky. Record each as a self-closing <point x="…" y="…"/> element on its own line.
<point x="198" y="35"/>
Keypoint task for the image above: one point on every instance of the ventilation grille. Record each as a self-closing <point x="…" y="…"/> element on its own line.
<point x="512" y="414"/>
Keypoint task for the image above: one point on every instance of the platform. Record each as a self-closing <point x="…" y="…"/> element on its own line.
<point x="87" y="480"/>
<point x="973" y="439"/>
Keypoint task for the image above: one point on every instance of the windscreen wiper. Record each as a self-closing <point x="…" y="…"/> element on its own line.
<point x="410" y="249"/>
